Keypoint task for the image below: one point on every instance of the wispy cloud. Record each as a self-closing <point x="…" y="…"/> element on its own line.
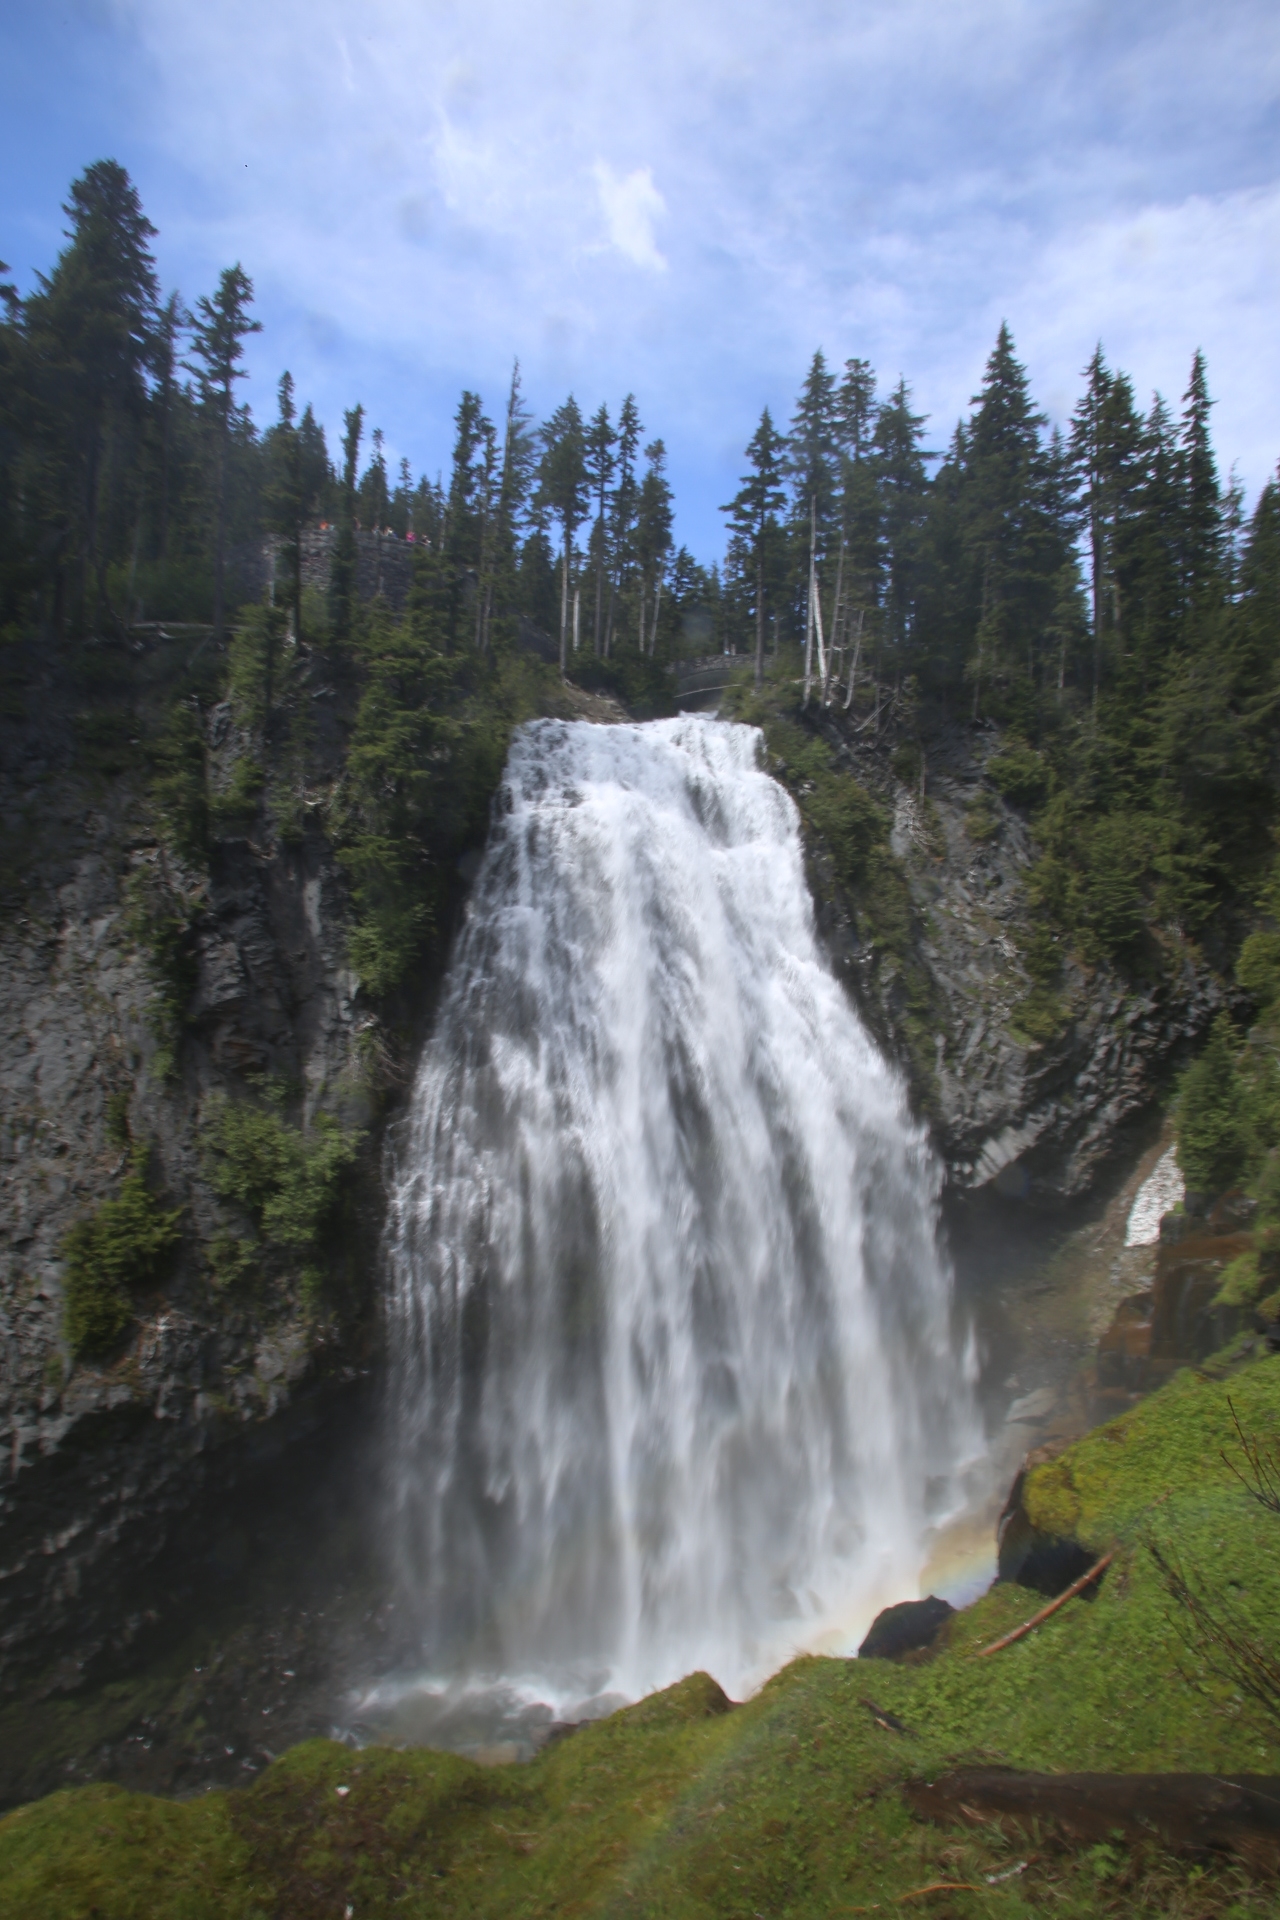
<point x="684" y="197"/>
<point x="630" y="204"/>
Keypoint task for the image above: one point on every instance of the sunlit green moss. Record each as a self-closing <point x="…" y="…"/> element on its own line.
<point x="787" y="1805"/>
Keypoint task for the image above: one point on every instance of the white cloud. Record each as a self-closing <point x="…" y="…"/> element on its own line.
<point x="631" y="203"/>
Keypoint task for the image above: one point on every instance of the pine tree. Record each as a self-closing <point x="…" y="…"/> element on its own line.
<point x="514" y="480"/>
<point x="219" y="329"/>
<point x="753" y="516"/>
<point x="600" y="460"/>
<point x="901" y="488"/>
<point x="374" y="496"/>
<point x="811" y="455"/>
<point x="1013" y="550"/>
<point x="342" y="575"/>
<point x="1107" y="469"/>
<point x="1202" y="533"/>
<point x="562" y="485"/>
<point x="168" y="331"/>
<point x="812" y="465"/>
<point x="860" y="503"/>
<point x="653" y="535"/>
<point x="286" y="496"/>
<point x="622" y="510"/>
<point x="89" y="332"/>
<point x="1155" y="569"/>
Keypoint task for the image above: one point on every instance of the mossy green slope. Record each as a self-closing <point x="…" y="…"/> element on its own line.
<point x="787" y="1805"/>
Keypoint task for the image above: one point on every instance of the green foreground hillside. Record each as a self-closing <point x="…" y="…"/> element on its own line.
<point x="789" y="1804"/>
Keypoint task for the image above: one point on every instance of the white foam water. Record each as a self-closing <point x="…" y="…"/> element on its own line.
<point x="674" y="1377"/>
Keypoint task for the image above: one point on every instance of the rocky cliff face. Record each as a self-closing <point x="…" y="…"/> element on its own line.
<point x="97" y="1452"/>
<point x="1036" y="1117"/>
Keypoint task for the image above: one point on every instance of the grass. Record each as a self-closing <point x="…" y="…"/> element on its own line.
<point x="787" y="1805"/>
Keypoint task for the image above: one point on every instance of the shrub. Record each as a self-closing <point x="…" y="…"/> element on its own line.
<point x="161" y="918"/>
<point x="120" y="1249"/>
<point x="178" y="787"/>
<point x="1258" y="968"/>
<point x="1019" y="773"/>
<point x="1212" y="1137"/>
<point x="287" y="1181"/>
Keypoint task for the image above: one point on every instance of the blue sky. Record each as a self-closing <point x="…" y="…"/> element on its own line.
<point x="683" y="199"/>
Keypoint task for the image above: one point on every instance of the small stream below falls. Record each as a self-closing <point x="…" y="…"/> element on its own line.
<point x="688" y="1366"/>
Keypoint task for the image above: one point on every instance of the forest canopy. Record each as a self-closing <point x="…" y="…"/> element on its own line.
<point x="1094" y="589"/>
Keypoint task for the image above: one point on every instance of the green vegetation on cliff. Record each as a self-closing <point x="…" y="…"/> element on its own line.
<point x="788" y="1805"/>
<point x="111" y="1257"/>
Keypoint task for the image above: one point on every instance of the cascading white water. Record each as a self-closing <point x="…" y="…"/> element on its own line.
<point x="673" y="1371"/>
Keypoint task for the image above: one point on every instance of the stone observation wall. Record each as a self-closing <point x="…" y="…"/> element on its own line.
<point x="384" y="563"/>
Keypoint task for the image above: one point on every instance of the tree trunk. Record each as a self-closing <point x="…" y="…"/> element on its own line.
<point x="822" y="651"/>
<point x="653" y="631"/>
<point x="599" y="589"/>
<point x="564" y="602"/>
<point x="759" y="621"/>
<point x="835" y="627"/>
<point x="220" y="537"/>
<point x="297" y="584"/>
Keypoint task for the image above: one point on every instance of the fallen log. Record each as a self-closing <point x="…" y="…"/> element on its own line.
<point x="1077" y="1586"/>
<point x="1195" y="1813"/>
<point x="882" y="1716"/>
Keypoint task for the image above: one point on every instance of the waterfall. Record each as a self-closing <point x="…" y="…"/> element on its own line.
<point x="673" y="1375"/>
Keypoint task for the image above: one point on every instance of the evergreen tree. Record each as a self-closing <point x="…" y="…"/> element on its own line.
<point x="219" y="329"/>
<point x="753" y="517"/>
<point x="1202" y="536"/>
<point x="168" y="331"/>
<point x="343" y="573"/>
<point x="89" y="336"/>
<point x="812" y="465"/>
<point x="653" y="536"/>
<point x="811" y="455"/>
<point x="901" y="487"/>
<point x="374" y="497"/>
<point x="562" y="486"/>
<point x="1013" y="549"/>
<point x="1155" y="570"/>
<point x="622" y="511"/>
<point x="286" y="495"/>
<point x="599" y="455"/>
<point x="860" y="499"/>
<point x="519" y="459"/>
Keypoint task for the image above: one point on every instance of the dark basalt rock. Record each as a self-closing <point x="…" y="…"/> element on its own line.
<point x="1032" y="1120"/>
<point x="1026" y="1557"/>
<point x="909" y="1627"/>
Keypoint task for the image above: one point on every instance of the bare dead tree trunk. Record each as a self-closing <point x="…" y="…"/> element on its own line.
<point x="564" y="602"/>
<point x="808" y="616"/>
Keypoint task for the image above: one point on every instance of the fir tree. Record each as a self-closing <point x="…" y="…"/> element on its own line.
<point x="562" y="485"/>
<point x="89" y="330"/>
<point x="1202" y="531"/>
<point x="901" y="487"/>
<point x="622" y="508"/>
<point x="599" y="455"/>
<point x="219" y="329"/>
<point x="753" y="516"/>
<point x="342" y="575"/>
<point x="653" y="535"/>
